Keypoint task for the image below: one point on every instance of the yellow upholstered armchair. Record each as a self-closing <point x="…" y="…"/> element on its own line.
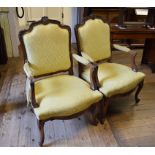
<point x="94" y="47"/>
<point x="47" y="46"/>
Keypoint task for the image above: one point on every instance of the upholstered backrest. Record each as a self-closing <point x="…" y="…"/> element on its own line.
<point x="94" y="39"/>
<point x="47" y="48"/>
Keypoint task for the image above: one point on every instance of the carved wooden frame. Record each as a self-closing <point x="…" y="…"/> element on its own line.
<point x="93" y="108"/>
<point x="94" y="70"/>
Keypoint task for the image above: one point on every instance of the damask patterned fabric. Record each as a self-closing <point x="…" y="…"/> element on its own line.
<point x="115" y="78"/>
<point x="47" y="48"/>
<point x="94" y="39"/>
<point x="66" y="95"/>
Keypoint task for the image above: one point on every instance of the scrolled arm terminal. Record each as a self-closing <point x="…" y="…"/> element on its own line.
<point x="88" y="61"/>
<point x="133" y="54"/>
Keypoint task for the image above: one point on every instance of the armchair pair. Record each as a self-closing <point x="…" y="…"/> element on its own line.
<point x="52" y="89"/>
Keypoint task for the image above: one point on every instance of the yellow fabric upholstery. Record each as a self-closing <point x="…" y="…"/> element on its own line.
<point x="115" y="78"/>
<point x="121" y="48"/>
<point x="47" y="48"/>
<point x="94" y="37"/>
<point x="63" y="95"/>
<point x="86" y="56"/>
<point x="80" y="59"/>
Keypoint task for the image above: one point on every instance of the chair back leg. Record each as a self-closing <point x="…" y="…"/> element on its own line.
<point x="104" y="104"/>
<point x="94" y="109"/>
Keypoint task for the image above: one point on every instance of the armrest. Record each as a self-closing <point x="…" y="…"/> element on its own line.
<point x="133" y="54"/>
<point x="94" y="82"/>
<point x="81" y="59"/>
<point x="29" y="74"/>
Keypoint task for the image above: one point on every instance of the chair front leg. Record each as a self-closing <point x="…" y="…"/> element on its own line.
<point x="41" y="130"/>
<point x="140" y="86"/>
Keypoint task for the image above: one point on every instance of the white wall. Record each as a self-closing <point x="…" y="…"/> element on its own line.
<point x="70" y="18"/>
<point x="4" y="21"/>
<point x="13" y="22"/>
<point x="22" y="21"/>
<point x="16" y="24"/>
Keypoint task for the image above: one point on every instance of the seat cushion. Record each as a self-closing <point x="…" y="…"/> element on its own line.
<point x="63" y="95"/>
<point x="115" y="78"/>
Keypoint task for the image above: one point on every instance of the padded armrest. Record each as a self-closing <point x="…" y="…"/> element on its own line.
<point x="27" y="70"/>
<point x="133" y="54"/>
<point x="121" y="48"/>
<point x="81" y="59"/>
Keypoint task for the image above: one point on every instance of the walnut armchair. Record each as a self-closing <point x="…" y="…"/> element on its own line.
<point x="47" y="47"/>
<point x="94" y="49"/>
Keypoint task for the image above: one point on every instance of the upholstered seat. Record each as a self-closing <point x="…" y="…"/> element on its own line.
<point x="66" y="95"/>
<point x="115" y="78"/>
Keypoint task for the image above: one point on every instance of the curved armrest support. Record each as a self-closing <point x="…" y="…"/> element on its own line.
<point x="33" y="99"/>
<point x="94" y="82"/>
<point x="94" y="76"/>
<point x="133" y="54"/>
<point x="29" y="74"/>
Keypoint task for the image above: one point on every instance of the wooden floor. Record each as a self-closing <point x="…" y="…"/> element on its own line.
<point x="127" y="124"/>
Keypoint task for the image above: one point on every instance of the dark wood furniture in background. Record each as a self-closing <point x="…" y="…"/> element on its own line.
<point x="150" y="21"/>
<point x="115" y="14"/>
<point x="120" y="16"/>
<point x="109" y="15"/>
<point x="3" y="53"/>
<point x="138" y="32"/>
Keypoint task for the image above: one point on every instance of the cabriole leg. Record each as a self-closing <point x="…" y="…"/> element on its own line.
<point x="140" y="86"/>
<point x="94" y="113"/>
<point x="103" y="110"/>
<point x="41" y="130"/>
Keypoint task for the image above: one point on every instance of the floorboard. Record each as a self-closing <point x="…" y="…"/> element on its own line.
<point x="126" y="124"/>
